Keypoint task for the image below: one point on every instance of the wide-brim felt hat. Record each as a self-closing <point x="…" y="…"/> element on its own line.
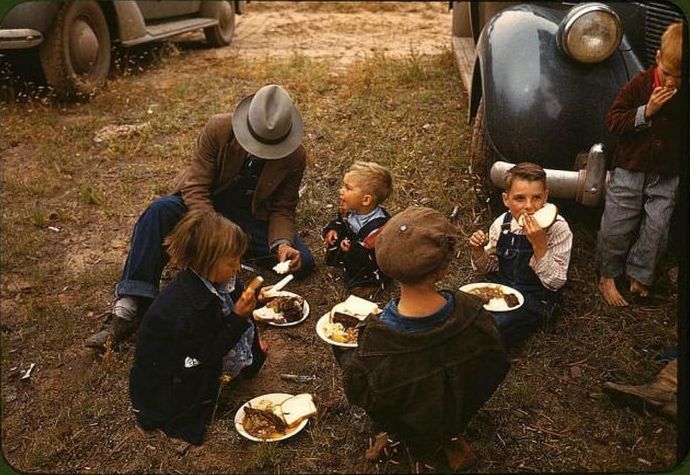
<point x="267" y="124"/>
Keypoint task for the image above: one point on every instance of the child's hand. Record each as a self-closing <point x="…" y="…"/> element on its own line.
<point x="535" y="235"/>
<point x="477" y="242"/>
<point x="478" y="239"/>
<point x="345" y="245"/>
<point x="246" y="304"/>
<point x="331" y="236"/>
<point x="659" y="97"/>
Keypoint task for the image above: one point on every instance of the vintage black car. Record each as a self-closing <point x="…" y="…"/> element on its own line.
<point x="74" y="38"/>
<point x="541" y="77"/>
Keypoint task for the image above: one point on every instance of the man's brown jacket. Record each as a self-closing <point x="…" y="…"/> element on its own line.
<point x="217" y="160"/>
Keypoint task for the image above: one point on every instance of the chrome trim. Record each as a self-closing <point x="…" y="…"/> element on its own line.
<point x="20" y="38"/>
<point x="575" y="14"/>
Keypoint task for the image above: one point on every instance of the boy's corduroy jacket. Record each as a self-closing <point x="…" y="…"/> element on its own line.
<point x="425" y="386"/>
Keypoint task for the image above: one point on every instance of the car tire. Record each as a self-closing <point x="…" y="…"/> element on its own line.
<point x="482" y="157"/>
<point x="222" y="33"/>
<point x="75" y="56"/>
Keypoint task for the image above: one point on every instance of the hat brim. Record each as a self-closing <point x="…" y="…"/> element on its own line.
<point x="261" y="149"/>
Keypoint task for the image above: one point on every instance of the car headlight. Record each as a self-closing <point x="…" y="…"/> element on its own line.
<point x="590" y="33"/>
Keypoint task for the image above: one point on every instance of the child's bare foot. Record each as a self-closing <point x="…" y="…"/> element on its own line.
<point x="608" y="290"/>
<point x="637" y="288"/>
<point x="459" y="454"/>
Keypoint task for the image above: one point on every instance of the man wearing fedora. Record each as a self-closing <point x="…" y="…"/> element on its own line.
<point x="248" y="165"/>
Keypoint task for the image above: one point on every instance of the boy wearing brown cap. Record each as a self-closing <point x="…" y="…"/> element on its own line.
<point x="431" y="359"/>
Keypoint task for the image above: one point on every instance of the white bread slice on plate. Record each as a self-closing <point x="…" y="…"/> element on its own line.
<point x="267" y="314"/>
<point x="296" y="408"/>
<point x="357" y="307"/>
<point x="545" y="216"/>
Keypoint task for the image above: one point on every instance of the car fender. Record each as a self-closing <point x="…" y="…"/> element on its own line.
<point x="539" y="105"/>
<point x="31" y="15"/>
<point x="130" y="21"/>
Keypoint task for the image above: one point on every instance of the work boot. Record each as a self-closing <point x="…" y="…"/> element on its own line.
<point x="115" y="330"/>
<point x="661" y="394"/>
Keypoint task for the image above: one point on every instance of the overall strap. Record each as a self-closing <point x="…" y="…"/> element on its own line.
<point x="373" y="224"/>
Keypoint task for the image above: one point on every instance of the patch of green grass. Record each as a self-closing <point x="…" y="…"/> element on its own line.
<point x="39" y="218"/>
<point x="263" y="456"/>
<point x="522" y="395"/>
<point x="88" y="195"/>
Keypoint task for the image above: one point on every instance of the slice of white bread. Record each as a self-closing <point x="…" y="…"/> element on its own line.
<point x="356" y="307"/>
<point x="267" y="314"/>
<point x="296" y="408"/>
<point x="545" y="216"/>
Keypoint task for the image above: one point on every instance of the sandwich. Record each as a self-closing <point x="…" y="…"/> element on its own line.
<point x="345" y="317"/>
<point x="269" y="421"/>
<point x="254" y="284"/>
<point x="545" y="216"/>
<point x="281" y="309"/>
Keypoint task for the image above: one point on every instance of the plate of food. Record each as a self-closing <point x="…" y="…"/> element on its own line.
<point x="282" y="309"/>
<point x="273" y="417"/>
<point x="497" y="297"/>
<point x="340" y="326"/>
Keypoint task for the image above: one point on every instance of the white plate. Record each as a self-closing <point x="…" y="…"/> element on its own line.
<point x="305" y="310"/>
<point x="496" y="305"/>
<point x="321" y="331"/>
<point x="275" y="399"/>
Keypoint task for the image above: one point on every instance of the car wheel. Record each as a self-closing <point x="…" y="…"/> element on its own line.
<point x="75" y="56"/>
<point x="482" y="157"/>
<point x="222" y="33"/>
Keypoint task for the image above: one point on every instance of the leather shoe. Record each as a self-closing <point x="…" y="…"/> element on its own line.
<point x="114" y="330"/>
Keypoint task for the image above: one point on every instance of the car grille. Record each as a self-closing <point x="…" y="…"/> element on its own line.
<point x="658" y="16"/>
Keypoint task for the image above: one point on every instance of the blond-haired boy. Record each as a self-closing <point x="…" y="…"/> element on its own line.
<point x="350" y="238"/>
<point x="648" y="116"/>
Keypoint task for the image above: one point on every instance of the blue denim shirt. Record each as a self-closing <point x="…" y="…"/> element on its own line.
<point x="241" y="355"/>
<point x="391" y="317"/>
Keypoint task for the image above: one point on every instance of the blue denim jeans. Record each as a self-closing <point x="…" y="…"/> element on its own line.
<point x="635" y="224"/>
<point x="147" y="257"/>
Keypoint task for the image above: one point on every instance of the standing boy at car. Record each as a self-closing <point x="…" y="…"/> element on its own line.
<point x="350" y="238"/>
<point x="530" y="259"/>
<point x="648" y="116"/>
<point x="426" y="365"/>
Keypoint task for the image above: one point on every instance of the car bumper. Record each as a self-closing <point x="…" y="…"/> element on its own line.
<point x="585" y="186"/>
<point x="20" y="38"/>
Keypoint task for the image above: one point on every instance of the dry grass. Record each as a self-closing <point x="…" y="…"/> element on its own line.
<point x="73" y="414"/>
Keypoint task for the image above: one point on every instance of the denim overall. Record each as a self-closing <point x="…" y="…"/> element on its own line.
<point x="514" y="252"/>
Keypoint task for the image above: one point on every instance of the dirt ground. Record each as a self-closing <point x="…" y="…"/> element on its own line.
<point x="65" y="234"/>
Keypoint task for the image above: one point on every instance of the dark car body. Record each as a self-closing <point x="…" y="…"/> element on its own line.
<point x="74" y="38"/>
<point x="536" y="103"/>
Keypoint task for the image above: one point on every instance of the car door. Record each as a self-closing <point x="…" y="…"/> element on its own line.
<point x="158" y="10"/>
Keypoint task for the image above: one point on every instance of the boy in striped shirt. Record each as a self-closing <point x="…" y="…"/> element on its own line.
<point x="528" y="258"/>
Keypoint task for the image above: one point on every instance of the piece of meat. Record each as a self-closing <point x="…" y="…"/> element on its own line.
<point x="347" y="321"/>
<point x="511" y="300"/>
<point x="260" y="418"/>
